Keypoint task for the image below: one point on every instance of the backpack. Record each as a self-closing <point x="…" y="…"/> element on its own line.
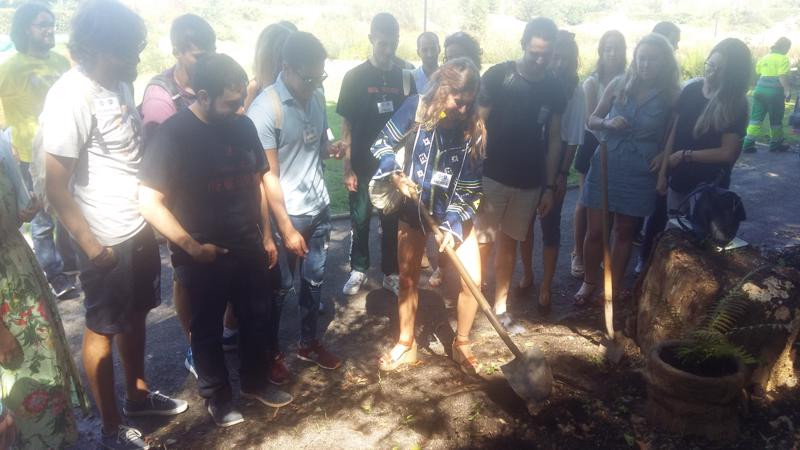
<point x="711" y="214"/>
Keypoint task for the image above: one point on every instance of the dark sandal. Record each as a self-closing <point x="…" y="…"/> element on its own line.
<point x="585" y="294"/>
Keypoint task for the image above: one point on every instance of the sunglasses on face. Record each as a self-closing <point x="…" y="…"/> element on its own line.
<point x="315" y="80"/>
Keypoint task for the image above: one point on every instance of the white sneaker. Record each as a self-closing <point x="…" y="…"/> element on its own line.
<point x="392" y="283"/>
<point x="353" y="285"/>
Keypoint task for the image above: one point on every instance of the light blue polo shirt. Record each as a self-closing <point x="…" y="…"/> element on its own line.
<point x="299" y="147"/>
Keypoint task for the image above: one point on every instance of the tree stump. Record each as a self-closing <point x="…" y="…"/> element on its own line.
<point x="682" y="281"/>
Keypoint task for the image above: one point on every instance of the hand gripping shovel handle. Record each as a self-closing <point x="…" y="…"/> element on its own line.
<point x="473" y="288"/>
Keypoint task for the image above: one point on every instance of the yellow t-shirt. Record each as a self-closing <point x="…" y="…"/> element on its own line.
<point x="24" y="82"/>
<point x="773" y="65"/>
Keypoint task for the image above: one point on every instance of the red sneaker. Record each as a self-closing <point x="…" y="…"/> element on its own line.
<point x="316" y="353"/>
<point x="278" y="372"/>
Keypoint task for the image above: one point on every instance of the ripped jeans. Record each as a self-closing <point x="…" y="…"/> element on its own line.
<point x="316" y="230"/>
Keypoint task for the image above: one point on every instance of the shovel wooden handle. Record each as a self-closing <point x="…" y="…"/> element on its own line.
<point x="608" y="293"/>
<point x="473" y="288"/>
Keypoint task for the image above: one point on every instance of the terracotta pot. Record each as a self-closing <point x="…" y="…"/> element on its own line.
<point x="686" y="403"/>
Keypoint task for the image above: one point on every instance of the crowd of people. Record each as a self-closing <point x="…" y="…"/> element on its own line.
<point x="229" y="171"/>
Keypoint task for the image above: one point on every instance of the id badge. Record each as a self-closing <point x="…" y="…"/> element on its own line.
<point x="441" y="179"/>
<point x="385" y="107"/>
<point x="309" y="135"/>
<point x="107" y="107"/>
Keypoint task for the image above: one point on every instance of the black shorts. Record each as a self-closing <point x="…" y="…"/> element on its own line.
<point x="583" y="157"/>
<point x="133" y="285"/>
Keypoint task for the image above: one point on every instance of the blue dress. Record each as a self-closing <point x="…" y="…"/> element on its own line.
<point x="631" y="184"/>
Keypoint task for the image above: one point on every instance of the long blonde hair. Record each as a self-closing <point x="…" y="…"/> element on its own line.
<point x="729" y="100"/>
<point x="668" y="77"/>
<point x="456" y="75"/>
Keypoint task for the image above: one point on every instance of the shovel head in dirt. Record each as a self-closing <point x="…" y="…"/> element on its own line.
<point x="529" y="375"/>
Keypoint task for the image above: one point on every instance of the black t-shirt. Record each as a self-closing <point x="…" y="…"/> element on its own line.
<point x="210" y="174"/>
<point x="516" y="128"/>
<point x="686" y="176"/>
<point x="368" y="98"/>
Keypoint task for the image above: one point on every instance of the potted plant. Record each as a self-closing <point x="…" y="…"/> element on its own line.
<point x="695" y="384"/>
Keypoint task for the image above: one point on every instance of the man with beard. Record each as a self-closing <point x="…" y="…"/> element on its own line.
<point x="201" y="189"/>
<point x="91" y="131"/>
<point x="25" y="79"/>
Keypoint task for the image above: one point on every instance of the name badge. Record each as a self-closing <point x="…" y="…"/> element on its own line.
<point x="385" y="107"/>
<point x="309" y="135"/>
<point x="107" y="106"/>
<point x="441" y="179"/>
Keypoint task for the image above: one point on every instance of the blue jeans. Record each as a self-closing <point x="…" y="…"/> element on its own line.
<point x="54" y="255"/>
<point x="316" y="230"/>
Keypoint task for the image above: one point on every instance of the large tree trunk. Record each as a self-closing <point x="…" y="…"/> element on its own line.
<point x="681" y="282"/>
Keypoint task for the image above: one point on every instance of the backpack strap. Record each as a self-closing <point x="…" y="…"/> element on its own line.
<point x="277" y="109"/>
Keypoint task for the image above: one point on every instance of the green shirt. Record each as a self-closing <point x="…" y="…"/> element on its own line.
<point x="24" y="82"/>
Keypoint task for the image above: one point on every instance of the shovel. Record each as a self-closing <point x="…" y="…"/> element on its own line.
<point x="614" y="350"/>
<point x="528" y="373"/>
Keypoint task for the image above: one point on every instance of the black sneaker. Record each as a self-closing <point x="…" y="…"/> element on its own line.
<point x="155" y="404"/>
<point x="63" y="286"/>
<point x="125" y="438"/>
<point x="269" y="395"/>
<point x="223" y="413"/>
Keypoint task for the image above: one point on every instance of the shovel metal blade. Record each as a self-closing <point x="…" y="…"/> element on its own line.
<point x="529" y="375"/>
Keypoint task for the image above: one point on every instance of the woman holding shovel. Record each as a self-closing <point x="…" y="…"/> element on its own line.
<point x="634" y="112"/>
<point x="431" y="152"/>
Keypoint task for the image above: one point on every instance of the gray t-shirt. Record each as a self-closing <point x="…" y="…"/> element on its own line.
<point x="299" y="145"/>
<point x="102" y="130"/>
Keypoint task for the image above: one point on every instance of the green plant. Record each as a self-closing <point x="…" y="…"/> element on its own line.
<point x="711" y="340"/>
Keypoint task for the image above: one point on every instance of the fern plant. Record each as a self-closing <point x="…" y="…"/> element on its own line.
<point x="711" y="340"/>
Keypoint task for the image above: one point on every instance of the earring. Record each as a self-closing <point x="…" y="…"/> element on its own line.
<point x="442" y="115"/>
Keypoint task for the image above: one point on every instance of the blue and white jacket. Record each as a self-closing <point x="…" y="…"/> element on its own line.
<point x="437" y="150"/>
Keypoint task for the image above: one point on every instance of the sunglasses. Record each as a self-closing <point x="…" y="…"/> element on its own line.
<point x="315" y="80"/>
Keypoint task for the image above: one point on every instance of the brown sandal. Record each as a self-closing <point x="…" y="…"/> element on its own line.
<point x="409" y="356"/>
<point x="467" y="364"/>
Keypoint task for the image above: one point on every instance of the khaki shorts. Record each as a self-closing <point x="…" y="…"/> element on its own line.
<point x="507" y="209"/>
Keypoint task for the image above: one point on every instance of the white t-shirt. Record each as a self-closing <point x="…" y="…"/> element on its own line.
<point x="102" y="130"/>
<point x="573" y="121"/>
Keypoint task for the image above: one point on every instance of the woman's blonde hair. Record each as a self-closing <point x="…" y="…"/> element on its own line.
<point x="268" y="61"/>
<point x="454" y="76"/>
<point x="668" y="76"/>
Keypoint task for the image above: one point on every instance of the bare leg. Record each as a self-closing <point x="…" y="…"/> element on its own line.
<point x="230" y="321"/>
<point x="180" y="299"/>
<point x="550" y="257"/>
<point x="99" y="366"/>
<point x="593" y="245"/>
<point x="467" y="305"/>
<point x="131" y="352"/>
<point x="526" y="255"/>
<point x="410" y="247"/>
<point x="504" y="268"/>
<point x="624" y="231"/>
<point x="579" y="224"/>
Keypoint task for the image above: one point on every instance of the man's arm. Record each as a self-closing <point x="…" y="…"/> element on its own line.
<point x="553" y="159"/>
<point x="293" y="240"/>
<point x="153" y="207"/>
<point x="59" y="171"/>
<point x="266" y="224"/>
<point x="350" y="179"/>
